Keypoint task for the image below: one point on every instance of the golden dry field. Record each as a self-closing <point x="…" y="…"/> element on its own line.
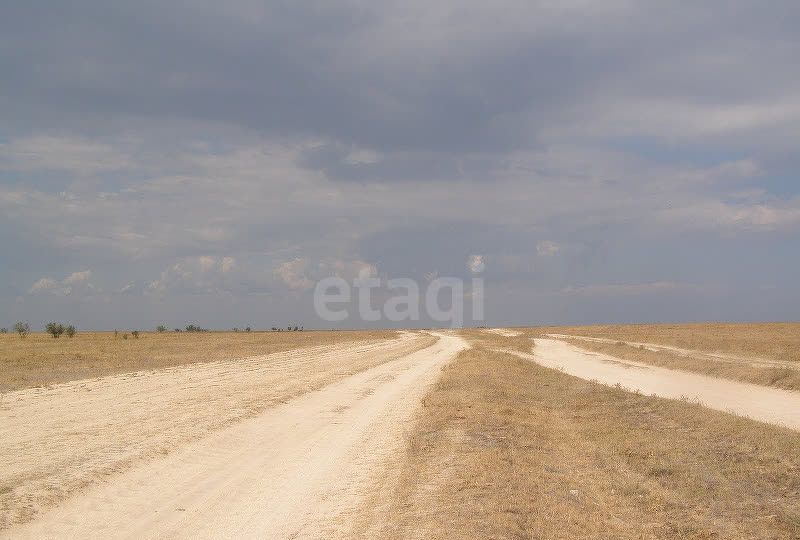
<point x="474" y="433"/>
<point x="504" y="448"/>
<point x="39" y="359"/>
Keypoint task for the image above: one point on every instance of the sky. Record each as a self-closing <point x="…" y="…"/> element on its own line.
<point x="167" y="162"/>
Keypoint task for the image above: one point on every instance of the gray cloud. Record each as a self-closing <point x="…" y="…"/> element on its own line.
<point x="570" y="144"/>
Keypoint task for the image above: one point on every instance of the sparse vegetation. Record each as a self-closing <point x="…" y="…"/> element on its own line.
<point x="22" y="328"/>
<point x="70" y="331"/>
<point x="504" y="448"/>
<point x="195" y="328"/>
<point x="161" y="328"/>
<point x="54" y="329"/>
<point x="40" y="360"/>
<point x="135" y="334"/>
<point x="247" y="329"/>
<point x="3" y="330"/>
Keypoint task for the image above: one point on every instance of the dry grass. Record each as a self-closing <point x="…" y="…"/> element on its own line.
<point x="504" y="448"/>
<point x="779" y="377"/>
<point x="778" y="341"/>
<point x="490" y="340"/>
<point x="41" y="360"/>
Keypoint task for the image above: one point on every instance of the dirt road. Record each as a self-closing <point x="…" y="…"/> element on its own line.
<point x="288" y="469"/>
<point x="771" y="405"/>
<point x="693" y="353"/>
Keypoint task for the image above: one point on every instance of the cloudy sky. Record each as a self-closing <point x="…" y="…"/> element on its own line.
<point x="208" y="162"/>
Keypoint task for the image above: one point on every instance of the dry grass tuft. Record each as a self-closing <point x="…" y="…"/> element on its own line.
<point x="504" y="448"/>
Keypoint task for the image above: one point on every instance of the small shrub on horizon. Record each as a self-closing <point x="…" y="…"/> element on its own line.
<point x="161" y="328"/>
<point x="195" y="328"/>
<point x="3" y="330"/>
<point x="54" y="329"/>
<point x="71" y="331"/>
<point x="22" y="328"/>
<point x="135" y="334"/>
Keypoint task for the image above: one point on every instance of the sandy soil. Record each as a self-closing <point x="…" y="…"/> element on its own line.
<point x="771" y="405"/>
<point x="104" y="441"/>
<point x="294" y="471"/>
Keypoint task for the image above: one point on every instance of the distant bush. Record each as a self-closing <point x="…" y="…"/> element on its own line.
<point x="161" y="328"/>
<point x="178" y="330"/>
<point x="54" y="329"/>
<point x="3" y="330"/>
<point x="124" y="336"/>
<point x="195" y="328"/>
<point x="247" y="329"/>
<point x="22" y="328"/>
<point x="135" y="334"/>
<point x="70" y="331"/>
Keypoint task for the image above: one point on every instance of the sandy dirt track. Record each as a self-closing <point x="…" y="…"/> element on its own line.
<point x="694" y="353"/>
<point x="771" y="405"/>
<point x="103" y="440"/>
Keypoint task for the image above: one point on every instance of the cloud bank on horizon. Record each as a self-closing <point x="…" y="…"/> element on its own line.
<point x="599" y="161"/>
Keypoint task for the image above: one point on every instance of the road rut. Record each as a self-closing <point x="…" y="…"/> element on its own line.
<point x="299" y="469"/>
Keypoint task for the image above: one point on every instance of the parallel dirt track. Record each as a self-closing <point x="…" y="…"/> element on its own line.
<point x="771" y="405"/>
<point x="702" y="355"/>
<point x="308" y="443"/>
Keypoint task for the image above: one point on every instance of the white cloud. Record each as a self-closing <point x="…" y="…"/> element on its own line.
<point x="76" y="283"/>
<point x="547" y="248"/>
<point x="228" y="264"/>
<point x="77" y="277"/>
<point x="627" y="289"/>
<point x="350" y="269"/>
<point x="44" y="284"/>
<point x="476" y="264"/>
<point x="362" y="156"/>
<point x="293" y="274"/>
<point x="193" y="275"/>
<point x="66" y="153"/>
<point x="718" y="215"/>
<point x="301" y="273"/>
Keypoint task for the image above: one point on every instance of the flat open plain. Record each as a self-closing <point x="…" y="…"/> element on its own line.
<point x="503" y="433"/>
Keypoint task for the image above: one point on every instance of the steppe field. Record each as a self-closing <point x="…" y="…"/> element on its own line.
<point x="687" y="431"/>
